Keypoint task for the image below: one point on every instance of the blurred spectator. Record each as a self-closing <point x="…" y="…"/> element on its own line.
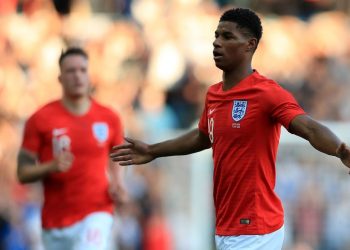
<point x="157" y="235"/>
<point x="309" y="214"/>
<point x="319" y="83"/>
<point x="156" y="117"/>
<point x="128" y="230"/>
<point x="114" y="7"/>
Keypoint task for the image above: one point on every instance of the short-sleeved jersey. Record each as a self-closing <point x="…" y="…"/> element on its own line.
<point x="243" y="125"/>
<point x="83" y="189"/>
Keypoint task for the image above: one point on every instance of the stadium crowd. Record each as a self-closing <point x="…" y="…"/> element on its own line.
<point x="151" y="60"/>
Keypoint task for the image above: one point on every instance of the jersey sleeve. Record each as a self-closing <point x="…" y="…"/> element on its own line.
<point x="283" y="107"/>
<point x="31" y="136"/>
<point x="117" y="130"/>
<point x="203" y="121"/>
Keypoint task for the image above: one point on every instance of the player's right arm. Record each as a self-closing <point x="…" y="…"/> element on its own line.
<point x="137" y="152"/>
<point x="29" y="170"/>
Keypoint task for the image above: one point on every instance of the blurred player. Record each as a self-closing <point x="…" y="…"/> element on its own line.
<point x="241" y="121"/>
<point x="66" y="145"/>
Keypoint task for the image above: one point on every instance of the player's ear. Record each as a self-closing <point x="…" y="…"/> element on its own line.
<point x="252" y="44"/>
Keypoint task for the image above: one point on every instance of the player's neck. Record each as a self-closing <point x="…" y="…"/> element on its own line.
<point x="77" y="106"/>
<point x="232" y="78"/>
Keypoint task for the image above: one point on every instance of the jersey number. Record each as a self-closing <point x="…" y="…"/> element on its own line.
<point x="211" y="129"/>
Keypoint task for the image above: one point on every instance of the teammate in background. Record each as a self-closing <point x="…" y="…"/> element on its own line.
<point x="66" y="145"/>
<point x="241" y="121"/>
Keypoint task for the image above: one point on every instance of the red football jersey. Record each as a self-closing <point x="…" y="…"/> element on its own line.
<point x="244" y="125"/>
<point x="83" y="189"/>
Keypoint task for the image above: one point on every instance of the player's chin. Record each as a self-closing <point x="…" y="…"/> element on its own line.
<point x="219" y="65"/>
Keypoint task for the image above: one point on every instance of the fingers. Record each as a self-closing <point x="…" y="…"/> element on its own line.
<point x="64" y="161"/>
<point x="126" y="163"/>
<point x="130" y="144"/>
<point x="67" y="158"/>
<point x="120" y="152"/>
<point x="129" y="140"/>
<point x="125" y="145"/>
<point x="122" y="158"/>
<point x="65" y="164"/>
<point x="123" y="161"/>
<point x="122" y="146"/>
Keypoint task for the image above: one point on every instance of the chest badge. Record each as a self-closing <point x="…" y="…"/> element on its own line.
<point x="100" y="131"/>
<point x="239" y="109"/>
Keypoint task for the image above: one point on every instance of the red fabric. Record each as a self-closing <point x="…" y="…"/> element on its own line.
<point x="72" y="195"/>
<point x="244" y="153"/>
<point x="157" y="235"/>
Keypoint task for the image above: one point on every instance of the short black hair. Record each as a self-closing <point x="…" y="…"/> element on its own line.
<point x="72" y="51"/>
<point x="245" y="19"/>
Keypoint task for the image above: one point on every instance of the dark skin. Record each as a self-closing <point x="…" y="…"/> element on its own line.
<point x="137" y="152"/>
<point x="233" y="52"/>
<point x="320" y="137"/>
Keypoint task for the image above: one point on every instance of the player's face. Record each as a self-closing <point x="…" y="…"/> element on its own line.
<point x="74" y="76"/>
<point x="230" y="46"/>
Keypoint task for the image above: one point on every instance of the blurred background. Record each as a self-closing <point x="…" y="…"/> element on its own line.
<point x="151" y="61"/>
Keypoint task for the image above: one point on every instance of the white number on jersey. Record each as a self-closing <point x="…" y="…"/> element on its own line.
<point x="211" y="129"/>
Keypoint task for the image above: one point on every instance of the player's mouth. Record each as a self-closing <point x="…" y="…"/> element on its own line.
<point x="78" y="84"/>
<point x="217" y="55"/>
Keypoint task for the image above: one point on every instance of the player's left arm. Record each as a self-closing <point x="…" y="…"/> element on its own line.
<point x="320" y="137"/>
<point x="117" y="189"/>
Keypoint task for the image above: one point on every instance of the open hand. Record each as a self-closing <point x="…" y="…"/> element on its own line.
<point x="132" y="152"/>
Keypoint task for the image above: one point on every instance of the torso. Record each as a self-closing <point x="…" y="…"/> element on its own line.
<point x="69" y="196"/>
<point x="244" y="135"/>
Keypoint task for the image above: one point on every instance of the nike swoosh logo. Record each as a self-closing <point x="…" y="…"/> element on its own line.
<point x="59" y="131"/>
<point x="211" y="111"/>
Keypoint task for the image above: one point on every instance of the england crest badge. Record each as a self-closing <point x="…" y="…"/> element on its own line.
<point x="239" y="109"/>
<point x="100" y="131"/>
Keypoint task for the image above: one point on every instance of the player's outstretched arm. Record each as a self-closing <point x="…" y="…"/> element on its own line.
<point x="28" y="170"/>
<point x="137" y="152"/>
<point x="320" y="137"/>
